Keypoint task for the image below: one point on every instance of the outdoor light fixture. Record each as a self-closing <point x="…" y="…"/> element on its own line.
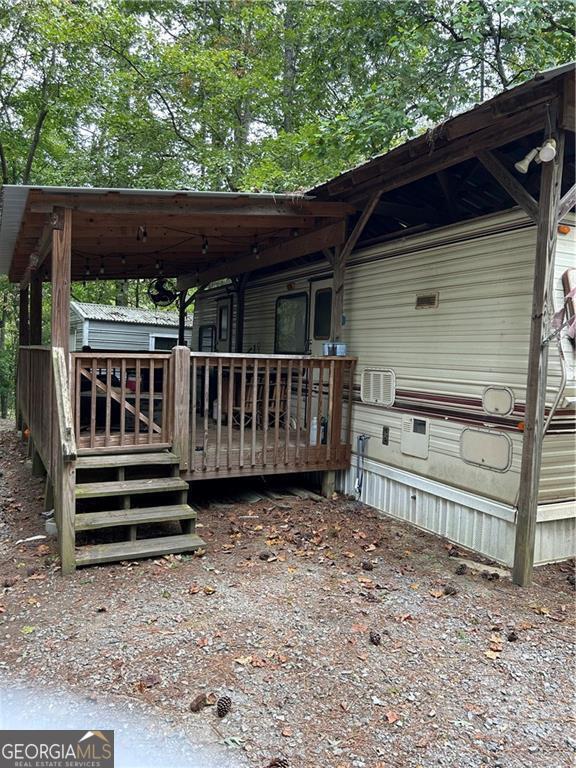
<point x="543" y="154"/>
<point x="142" y="234"/>
<point x="522" y="165"/>
<point x="547" y="151"/>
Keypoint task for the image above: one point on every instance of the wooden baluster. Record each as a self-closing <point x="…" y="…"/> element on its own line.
<point x="206" y="413"/>
<point x="332" y="411"/>
<point x="108" y="401"/>
<point x="254" y="409"/>
<point x="309" y="391"/>
<point x="219" y="414"/>
<point x="137" y="408"/>
<point x="164" y="402"/>
<point x="319" y="410"/>
<point x="277" y="393"/>
<point x="93" y="404"/>
<point x="122" y="400"/>
<point x="288" y="406"/>
<point x="299" y="408"/>
<point x="193" y="414"/>
<point x="230" y="410"/>
<point x="77" y="396"/>
<point x="242" y="411"/>
<point x="351" y="369"/>
<point x="151" y="420"/>
<point x="266" y="413"/>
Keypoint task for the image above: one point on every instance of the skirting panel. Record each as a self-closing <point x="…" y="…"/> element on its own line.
<point x="474" y="522"/>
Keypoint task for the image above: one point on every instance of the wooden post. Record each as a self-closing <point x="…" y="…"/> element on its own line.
<point x="550" y="184"/>
<point x="24" y="324"/>
<point x="181" y="427"/>
<point x="61" y="262"/>
<point x="240" y="304"/>
<point x="182" y="318"/>
<point x="36" y="309"/>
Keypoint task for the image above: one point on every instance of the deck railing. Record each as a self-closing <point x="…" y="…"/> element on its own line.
<point x="122" y="399"/>
<point x="268" y="413"/>
<point x="35" y="398"/>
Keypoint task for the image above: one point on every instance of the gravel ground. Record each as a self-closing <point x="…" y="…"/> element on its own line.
<point x="277" y="614"/>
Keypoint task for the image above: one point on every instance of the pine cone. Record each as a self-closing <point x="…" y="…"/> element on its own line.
<point x="461" y="570"/>
<point x="375" y="637"/>
<point x="450" y="589"/>
<point x="223" y="706"/>
<point x="278" y="762"/>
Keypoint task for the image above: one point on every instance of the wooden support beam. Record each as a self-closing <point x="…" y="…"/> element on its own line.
<point x="240" y="284"/>
<point x="24" y="318"/>
<point x="317" y="240"/>
<point x="512" y="186"/>
<point x="567" y="202"/>
<point x="182" y="304"/>
<point x="36" y="310"/>
<point x="181" y="404"/>
<point x="210" y="207"/>
<point x="341" y="255"/>
<point x="550" y="184"/>
<point x="61" y="262"/>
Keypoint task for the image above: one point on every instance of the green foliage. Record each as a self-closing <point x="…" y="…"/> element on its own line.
<point x="244" y="94"/>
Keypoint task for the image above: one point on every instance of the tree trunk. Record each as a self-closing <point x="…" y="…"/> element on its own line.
<point x="289" y="74"/>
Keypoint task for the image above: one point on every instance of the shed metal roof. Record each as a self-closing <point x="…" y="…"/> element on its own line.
<point x="138" y="316"/>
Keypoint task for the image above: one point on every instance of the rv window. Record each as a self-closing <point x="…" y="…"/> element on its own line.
<point x="291" y="324"/>
<point x="206" y="338"/>
<point x="223" y="321"/>
<point x="322" y="313"/>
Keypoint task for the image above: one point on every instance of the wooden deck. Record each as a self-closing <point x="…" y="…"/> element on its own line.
<point x="202" y="416"/>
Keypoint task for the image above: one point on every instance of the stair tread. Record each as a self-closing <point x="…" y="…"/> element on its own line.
<point x="86" y="521"/>
<point x="95" y="461"/>
<point x="128" y="550"/>
<point x="119" y="487"/>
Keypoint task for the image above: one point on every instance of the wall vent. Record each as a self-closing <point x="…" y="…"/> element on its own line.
<point x="378" y="386"/>
<point x="426" y="301"/>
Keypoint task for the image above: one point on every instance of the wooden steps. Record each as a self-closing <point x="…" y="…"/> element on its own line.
<point x="130" y="550"/>
<point x="108" y="490"/>
<point x="111" y="461"/>
<point x="88" y="521"/>
<point x="129" y="487"/>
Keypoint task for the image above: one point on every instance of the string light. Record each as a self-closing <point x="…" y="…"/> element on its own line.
<point x="101" y="265"/>
<point x="142" y="233"/>
<point x="205" y="246"/>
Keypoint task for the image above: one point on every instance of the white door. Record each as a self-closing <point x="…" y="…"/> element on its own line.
<point x="320" y="329"/>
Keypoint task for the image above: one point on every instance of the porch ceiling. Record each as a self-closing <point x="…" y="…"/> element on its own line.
<point x="138" y="233"/>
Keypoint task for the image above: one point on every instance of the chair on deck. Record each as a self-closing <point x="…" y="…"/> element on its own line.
<point x="251" y="414"/>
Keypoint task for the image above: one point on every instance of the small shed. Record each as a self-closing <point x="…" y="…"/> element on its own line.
<point x="101" y="326"/>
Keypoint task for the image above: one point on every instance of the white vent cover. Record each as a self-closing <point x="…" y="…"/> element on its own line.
<point x="427" y="301"/>
<point x="498" y="401"/>
<point x="378" y="386"/>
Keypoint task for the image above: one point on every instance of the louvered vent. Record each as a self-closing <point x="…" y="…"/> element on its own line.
<point x="426" y="301"/>
<point x="378" y="386"/>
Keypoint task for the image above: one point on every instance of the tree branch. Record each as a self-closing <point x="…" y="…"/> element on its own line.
<point x="3" y="165"/>
<point x="34" y="144"/>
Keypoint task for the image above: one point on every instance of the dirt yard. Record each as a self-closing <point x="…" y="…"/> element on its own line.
<point x="278" y="613"/>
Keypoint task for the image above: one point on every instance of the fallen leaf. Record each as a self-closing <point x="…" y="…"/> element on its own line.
<point x="202" y="642"/>
<point x="359" y="627"/>
<point x="437" y="593"/>
<point x="27" y="629"/>
<point x="243" y="660"/>
<point x="392" y="716"/>
<point x="148" y="681"/>
<point x="287" y="731"/>
<point x="208" y="590"/>
<point x="194" y="589"/>
<point x="492" y="654"/>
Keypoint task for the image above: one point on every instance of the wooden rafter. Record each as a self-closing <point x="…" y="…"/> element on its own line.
<point x="512" y="186"/>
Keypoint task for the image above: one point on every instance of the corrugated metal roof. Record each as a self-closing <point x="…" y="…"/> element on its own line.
<point x="13" y="200"/>
<point x="113" y="314"/>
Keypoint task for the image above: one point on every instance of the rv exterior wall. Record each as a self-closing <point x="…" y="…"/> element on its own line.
<point x="444" y="357"/>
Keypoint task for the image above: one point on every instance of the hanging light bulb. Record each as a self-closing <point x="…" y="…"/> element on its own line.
<point x="142" y="233"/>
<point x="157" y="265"/>
<point x="123" y="260"/>
<point x="255" y="249"/>
<point x="205" y="246"/>
<point x="161" y="270"/>
<point x="101" y="265"/>
<point x="547" y="151"/>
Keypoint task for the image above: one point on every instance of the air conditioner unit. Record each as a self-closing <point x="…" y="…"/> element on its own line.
<point x="378" y="386"/>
